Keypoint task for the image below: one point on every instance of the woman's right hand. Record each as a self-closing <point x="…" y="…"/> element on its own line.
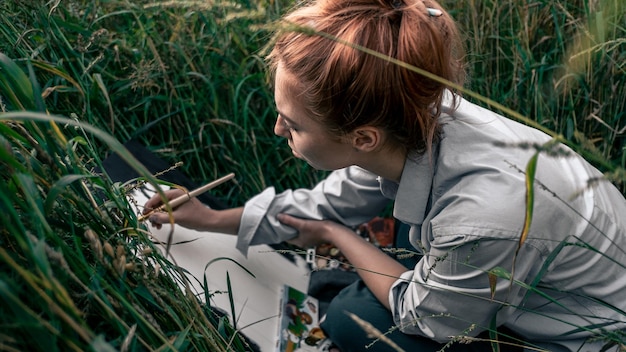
<point x="191" y="214"/>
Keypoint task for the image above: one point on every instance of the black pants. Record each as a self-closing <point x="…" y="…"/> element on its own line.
<point x="349" y="336"/>
<point x="359" y="300"/>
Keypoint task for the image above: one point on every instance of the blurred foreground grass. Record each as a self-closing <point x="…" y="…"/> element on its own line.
<point x="77" y="271"/>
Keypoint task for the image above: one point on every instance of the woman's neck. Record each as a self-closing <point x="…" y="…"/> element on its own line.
<point x="385" y="163"/>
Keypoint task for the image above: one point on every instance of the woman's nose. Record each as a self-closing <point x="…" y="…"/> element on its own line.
<point x="280" y="129"/>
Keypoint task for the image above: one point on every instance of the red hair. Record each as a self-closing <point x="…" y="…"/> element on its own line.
<point x="347" y="88"/>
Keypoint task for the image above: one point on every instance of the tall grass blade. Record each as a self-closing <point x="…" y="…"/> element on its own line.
<point x="15" y="84"/>
<point x="531" y="169"/>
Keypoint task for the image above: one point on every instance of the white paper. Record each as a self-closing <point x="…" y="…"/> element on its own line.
<point x="257" y="298"/>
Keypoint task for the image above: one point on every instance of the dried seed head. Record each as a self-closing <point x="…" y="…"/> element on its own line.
<point x="130" y="266"/>
<point x="120" y="265"/>
<point x="129" y="338"/>
<point x="119" y="251"/>
<point x="113" y="302"/>
<point x="157" y="269"/>
<point x="372" y="332"/>
<point x="94" y="242"/>
<point x="149" y="317"/>
<point x="90" y="235"/>
<point x="4" y="143"/>
<point x="109" y="249"/>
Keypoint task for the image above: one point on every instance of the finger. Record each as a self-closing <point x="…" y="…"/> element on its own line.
<point x="155" y="225"/>
<point x="156" y="200"/>
<point x="152" y="203"/>
<point x="159" y="218"/>
<point x="289" y="220"/>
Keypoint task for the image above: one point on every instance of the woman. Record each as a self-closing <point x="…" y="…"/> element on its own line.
<point x="455" y="173"/>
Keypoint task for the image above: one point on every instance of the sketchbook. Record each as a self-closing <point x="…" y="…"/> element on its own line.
<point x="298" y="328"/>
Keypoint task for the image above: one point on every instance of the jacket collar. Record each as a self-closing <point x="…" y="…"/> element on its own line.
<point x="412" y="194"/>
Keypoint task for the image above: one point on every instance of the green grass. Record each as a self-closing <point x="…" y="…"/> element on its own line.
<point x="558" y="63"/>
<point x="78" y="271"/>
<point x="187" y="78"/>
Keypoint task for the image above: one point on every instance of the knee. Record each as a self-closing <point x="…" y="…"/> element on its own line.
<point x="356" y="302"/>
<point x="342" y="329"/>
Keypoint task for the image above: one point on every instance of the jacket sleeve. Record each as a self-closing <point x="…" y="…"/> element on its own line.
<point x="350" y="196"/>
<point x="449" y="293"/>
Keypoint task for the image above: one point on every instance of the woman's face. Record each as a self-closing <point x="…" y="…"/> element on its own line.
<point x="308" y="138"/>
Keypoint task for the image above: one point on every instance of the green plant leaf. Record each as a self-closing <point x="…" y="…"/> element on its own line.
<point x="100" y="344"/>
<point x="231" y="300"/>
<point x="31" y="194"/>
<point x="493" y="281"/>
<point x="228" y="259"/>
<point x="181" y="341"/>
<point x="57" y="189"/>
<point x="15" y="85"/>
<point x="493" y="333"/>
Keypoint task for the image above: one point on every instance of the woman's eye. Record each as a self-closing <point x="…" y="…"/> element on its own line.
<point x="287" y="126"/>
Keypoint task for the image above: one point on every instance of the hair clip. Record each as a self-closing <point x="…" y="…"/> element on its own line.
<point x="396" y="4"/>
<point x="434" y="12"/>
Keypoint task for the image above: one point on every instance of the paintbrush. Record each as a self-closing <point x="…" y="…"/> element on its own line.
<point x="187" y="196"/>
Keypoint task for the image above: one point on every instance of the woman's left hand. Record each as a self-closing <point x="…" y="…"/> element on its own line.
<point x="313" y="232"/>
<point x="377" y="269"/>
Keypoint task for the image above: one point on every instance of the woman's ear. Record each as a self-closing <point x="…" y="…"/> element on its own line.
<point x="367" y="138"/>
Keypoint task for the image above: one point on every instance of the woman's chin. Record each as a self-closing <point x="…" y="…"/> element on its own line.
<point x="299" y="156"/>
